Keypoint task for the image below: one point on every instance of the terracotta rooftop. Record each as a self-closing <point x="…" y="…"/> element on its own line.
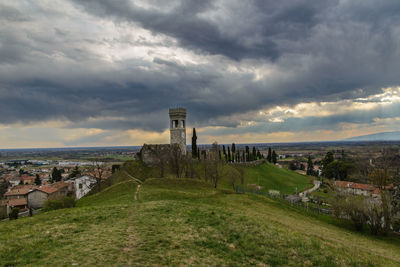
<point x="23" y="190"/>
<point x="51" y="188"/>
<point x="17" y="202"/>
<point x="27" y="177"/>
<point x="367" y="187"/>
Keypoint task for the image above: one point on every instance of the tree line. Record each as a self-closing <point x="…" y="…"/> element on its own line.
<point x="232" y="154"/>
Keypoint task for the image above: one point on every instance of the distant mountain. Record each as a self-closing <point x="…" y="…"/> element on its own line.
<point x="386" y="136"/>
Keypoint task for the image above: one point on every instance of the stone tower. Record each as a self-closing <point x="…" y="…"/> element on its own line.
<point x="177" y="118"/>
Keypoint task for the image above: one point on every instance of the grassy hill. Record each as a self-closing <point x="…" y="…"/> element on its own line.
<point x="185" y="222"/>
<point x="272" y="177"/>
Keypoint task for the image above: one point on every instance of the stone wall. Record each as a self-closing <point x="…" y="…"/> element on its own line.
<point x="152" y="154"/>
<point x="36" y="199"/>
<point x="249" y="163"/>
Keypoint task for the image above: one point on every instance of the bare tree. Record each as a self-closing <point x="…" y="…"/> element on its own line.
<point x="381" y="178"/>
<point x="189" y="166"/>
<point x="215" y="165"/>
<point x="233" y="176"/>
<point x="98" y="170"/>
<point x="350" y="206"/>
<point x="176" y="160"/>
<point x="161" y="155"/>
<point x="240" y="170"/>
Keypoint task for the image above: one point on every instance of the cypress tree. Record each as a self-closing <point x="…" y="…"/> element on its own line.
<point x="194" y="144"/>
<point x="274" y="157"/>
<point x="37" y="180"/>
<point x="233" y="152"/>
<point x="254" y="153"/>
<point x="56" y="175"/>
<point x="310" y="166"/>
<point x="198" y="153"/>
<point x="223" y="150"/>
<point x="247" y="153"/>
<point x="269" y="157"/>
<point x="229" y="154"/>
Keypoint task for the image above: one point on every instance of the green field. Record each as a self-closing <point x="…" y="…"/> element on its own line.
<point x="186" y="222"/>
<point x="273" y="177"/>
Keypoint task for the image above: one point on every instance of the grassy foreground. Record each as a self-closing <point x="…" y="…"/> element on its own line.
<point x="185" y="222"/>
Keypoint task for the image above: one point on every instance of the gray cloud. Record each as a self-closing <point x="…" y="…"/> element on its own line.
<point x="311" y="123"/>
<point x="50" y="67"/>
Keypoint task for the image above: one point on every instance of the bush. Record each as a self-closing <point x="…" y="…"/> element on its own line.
<point x="63" y="203"/>
<point x="362" y="210"/>
<point x="13" y="214"/>
<point x="351" y="207"/>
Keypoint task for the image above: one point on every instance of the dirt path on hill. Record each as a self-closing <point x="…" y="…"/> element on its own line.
<point x="317" y="184"/>
<point x="132" y="239"/>
<point x="135" y="196"/>
<point x="137" y="191"/>
<point x="135" y="179"/>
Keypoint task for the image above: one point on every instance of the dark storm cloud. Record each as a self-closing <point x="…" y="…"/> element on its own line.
<point x="267" y="24"/>
<point x="315" y="50"/>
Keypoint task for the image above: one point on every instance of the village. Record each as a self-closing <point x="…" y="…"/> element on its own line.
<point x="27" y="184"/>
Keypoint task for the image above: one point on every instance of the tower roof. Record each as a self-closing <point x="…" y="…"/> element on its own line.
<point x="181" y="112"/>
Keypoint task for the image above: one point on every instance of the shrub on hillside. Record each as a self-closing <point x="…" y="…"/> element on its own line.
<point x="365" y="210"/>
<point x="55" y="204"/>
<point x="351" y="207"/>
<point x="13" y="214"/>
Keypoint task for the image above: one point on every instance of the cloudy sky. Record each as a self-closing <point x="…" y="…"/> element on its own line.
<point x="100" y="73"/>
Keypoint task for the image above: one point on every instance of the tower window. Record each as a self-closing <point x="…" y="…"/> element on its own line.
<point x="175" y="124"/>
<point x="182" y="123"/>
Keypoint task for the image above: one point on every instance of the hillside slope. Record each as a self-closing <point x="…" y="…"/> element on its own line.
<point x="272" y="177"/>
<point x="185" y="222"/>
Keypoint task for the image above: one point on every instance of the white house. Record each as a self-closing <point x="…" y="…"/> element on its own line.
<point x="83" y="185"/>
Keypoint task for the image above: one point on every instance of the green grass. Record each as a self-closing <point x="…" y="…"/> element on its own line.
<point x="139" y="170"/>
<point x="91" y="234"/>
<point x="275" y="178"/>
<point x="186" y="222"/>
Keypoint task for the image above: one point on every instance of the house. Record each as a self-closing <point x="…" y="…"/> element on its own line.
<point x="27" y="179"/>
<point x="6" y="206"/>
<point x="20" y="203"/>
<point x="14" y="181"/>
<point x="20" y="191"/>
<point x="38" y="196"/>
<point x="82" y="185"/>
<point x="360" y="189"/>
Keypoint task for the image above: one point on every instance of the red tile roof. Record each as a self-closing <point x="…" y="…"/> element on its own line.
<point x="48" y="190"/>
<point x="366" y="187"/>
<point x="20" y="191"/>
<point x="52" y="188"/>
<point x="17" y="202"/>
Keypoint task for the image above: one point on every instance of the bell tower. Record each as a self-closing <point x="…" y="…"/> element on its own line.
<point x="177" y="118"/>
